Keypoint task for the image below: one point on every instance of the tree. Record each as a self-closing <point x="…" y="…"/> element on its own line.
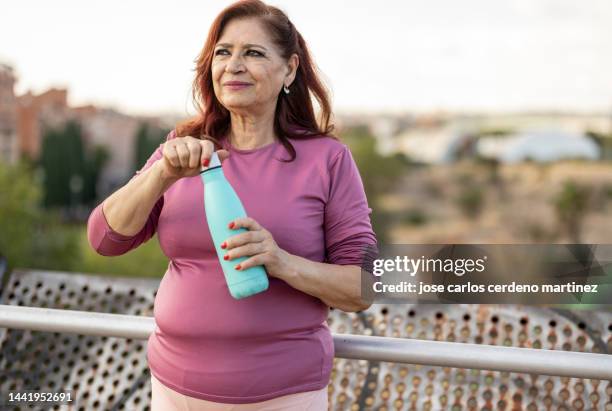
<point x="18" y="212"/>
<point x="70" y="173"/>
<point x="147" y="140"/>
<point x="63" y="160"/>
<point x="571" y="205"/>
<point x="470" y="200"/>
<point x="31" y="237"/>
<point x="93" y="167"/>
<point x="378" y="173"/>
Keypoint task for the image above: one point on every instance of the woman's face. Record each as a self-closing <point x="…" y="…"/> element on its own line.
<point x="248" y="72"/>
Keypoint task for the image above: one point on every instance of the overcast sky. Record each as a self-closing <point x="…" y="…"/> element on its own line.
<point x="138" y="56"/>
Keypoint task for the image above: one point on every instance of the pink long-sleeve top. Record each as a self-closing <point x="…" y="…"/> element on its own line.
<point x="208" y="345"/>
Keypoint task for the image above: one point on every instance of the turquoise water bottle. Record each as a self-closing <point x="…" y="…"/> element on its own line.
<point x="222" y="205"/>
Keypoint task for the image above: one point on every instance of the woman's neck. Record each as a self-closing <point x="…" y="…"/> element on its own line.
<point x="247" y="132"/>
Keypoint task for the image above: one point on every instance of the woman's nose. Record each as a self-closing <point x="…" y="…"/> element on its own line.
<point x="234" y="65"/>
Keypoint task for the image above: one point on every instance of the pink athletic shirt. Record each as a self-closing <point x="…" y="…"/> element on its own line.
<point x="208" y="345"/>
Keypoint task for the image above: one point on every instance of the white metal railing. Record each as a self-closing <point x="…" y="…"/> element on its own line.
<point x="438" y="353"/>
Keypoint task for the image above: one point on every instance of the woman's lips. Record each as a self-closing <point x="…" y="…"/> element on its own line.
<point x="237" y="86"/>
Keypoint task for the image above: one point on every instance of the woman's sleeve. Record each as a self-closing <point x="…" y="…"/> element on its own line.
<point x="349" y="238"/>
<point x="106" y="241"/>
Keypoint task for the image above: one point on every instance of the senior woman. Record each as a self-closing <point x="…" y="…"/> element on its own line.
<point x="308" y="224"/>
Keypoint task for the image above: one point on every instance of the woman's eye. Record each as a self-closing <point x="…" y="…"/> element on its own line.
<point x="220" y="52"/>
<point x="254" y="53"/>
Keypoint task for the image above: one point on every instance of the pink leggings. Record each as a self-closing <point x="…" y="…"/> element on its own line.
<point x="166" y="399"/>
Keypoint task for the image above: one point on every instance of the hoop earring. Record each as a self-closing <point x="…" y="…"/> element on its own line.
<point x="286" y="89"/>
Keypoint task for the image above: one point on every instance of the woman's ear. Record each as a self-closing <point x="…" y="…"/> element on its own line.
<point x="293" y="64"/>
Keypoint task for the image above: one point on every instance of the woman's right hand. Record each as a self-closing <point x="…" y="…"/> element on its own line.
<point x="187" y="156"/>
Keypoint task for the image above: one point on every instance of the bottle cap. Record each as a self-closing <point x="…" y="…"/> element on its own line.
<point x="214" y="160"/>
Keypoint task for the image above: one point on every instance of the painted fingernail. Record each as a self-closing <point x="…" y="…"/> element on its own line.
<point x="231" y="225"/>
<point x="206" y="162"/>
<point x="238" y="267"/>
<point x="226" y="257"/>
<point x="224" y="245"/>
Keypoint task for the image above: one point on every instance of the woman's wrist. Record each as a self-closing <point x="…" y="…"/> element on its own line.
<point x="291" y="263"/>
<point x="161" y="174"/>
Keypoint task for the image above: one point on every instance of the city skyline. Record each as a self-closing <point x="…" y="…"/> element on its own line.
<point x="473" y="56"/>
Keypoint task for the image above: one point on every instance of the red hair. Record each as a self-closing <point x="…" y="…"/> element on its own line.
<point x="294" y="117"/>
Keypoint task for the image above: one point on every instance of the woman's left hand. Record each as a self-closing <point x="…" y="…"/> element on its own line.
<point x="258" y="244"/>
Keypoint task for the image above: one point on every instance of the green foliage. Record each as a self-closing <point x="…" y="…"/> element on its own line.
<point x="147" y="140"/>
<point x="470" y="200"/>
<point x="494" y="132"/>
<point x="604" y="141"/>
<point x="70" y="174"/>
<point x="415" y="217"/>
<point x="97" y="159"/>
<point x="378" y="173"/>
<point x="607" y="191"/>
<point x="54" y="245"/>
<point x="18" y="212"/>
<point x="31" y="237"/>
<point x="56" y="172"/>
<point x="145" y="261"/>
<point x="571" y="205"/>
<point x="538" y="233"/>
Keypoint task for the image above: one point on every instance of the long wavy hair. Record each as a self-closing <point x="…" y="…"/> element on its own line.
<point x="295" y="116"/>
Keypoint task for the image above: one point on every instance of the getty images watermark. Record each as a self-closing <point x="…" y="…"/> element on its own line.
<point x="412" y="266"/>
<point x="525" y="274"/>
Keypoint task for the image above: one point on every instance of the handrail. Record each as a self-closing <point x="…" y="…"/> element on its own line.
<point x="398" y="350"/>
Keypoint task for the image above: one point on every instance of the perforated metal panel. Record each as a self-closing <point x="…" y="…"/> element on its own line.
<point x="359" y="385"/>
<point x="105" y="373"/>
<point x="109" y="373"/>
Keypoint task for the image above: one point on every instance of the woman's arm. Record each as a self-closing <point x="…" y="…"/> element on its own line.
<point x="127" y="209"/>
<point x="102" y="236"/>
<point x="338" y="286"/>
<point x="129" y="216"/>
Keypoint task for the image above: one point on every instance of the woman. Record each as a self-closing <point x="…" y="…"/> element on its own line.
<point x="308" y="224"/>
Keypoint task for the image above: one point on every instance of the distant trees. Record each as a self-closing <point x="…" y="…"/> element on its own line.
<point x="29" y="235"/>
<point x="604" y="141"/>
<point x="147" y="140"/>
<point x="70" y="173"/>
<point x="37" y="192"/>
<point x="378" y="173"/>
<point x="572" y="205"/>
<point x="470" y="200"/>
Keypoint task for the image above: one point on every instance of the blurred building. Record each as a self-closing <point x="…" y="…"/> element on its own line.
<point x="9" y="148"/>
<point x="433" y="145"/>
<point x="539" y="146"/>
<point x="117" y="133"/>
<point x="105" y="127"/>
<point x="34" y="113"/>
<point x="568" y="122"/>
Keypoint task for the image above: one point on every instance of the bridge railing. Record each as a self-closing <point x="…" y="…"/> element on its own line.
<point x="372" y="348"/>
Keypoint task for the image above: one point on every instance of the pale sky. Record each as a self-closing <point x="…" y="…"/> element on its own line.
<point x="494" y="55"/>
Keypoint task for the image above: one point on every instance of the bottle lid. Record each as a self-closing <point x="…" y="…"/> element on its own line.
<point x="214" y="162"/>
